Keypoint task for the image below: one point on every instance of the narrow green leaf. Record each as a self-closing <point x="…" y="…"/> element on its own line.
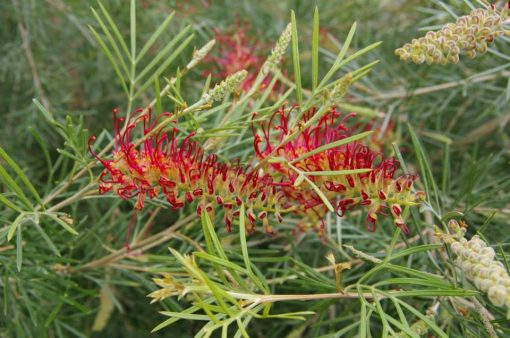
<point x="165" y="65"/>
<point x="72" y="330"/>
<point x="427" y="320"/>
<point x="208" y="241"/>
<point x="507" y="91"/>
<point x="419" y="274"/>
<point x="115" y="30"/>
<point x="172" y="320"/>
<point x="220" y="261"/>
<point x="47" y="115"/>
<point x="503" y="255"/>
<point x="19" y="248"/>
<point x="6" y="288"/>
<point x="485" y="224"/>
<point x="9" y="204"/>
<point x="362" y="74"/>
<point x="413" y="281"/>
<point x="399" y="157"/>
<point x="426" y="172"/>
<point x="360" y="110"/>
<point x="358" y="54"/>
<point x="299" y="180"/>
<point x="27" y="301"/>
<point x="382" y="315"/>
<point x="163" y="55"/>
<point x="53" y="314"/>
<point x="339" y="57"/>
<point x="295" y="59"/>
<point x="110" y="57"/>
<point x="13" y="186"/>
<point x="213" y="245"/>
<point x="364" y="321"/>
<point x="219" y="294"/>
<point x="132" y="19"/>
<point x="68" y="154"/>
<point x="113" y="44"/>
<point x="401" y="315"/>
<point x="242" y="329"/>
<point x="317" y="190"/>
<point x="44" y="148"/>
<point x="315" y="48"/>
<point x="209" y="227"/>
<point x="404" y="328"/>
<point x="155" y="36"/>
<point x="14" y="225"/>
<point x="415" y="249"/>
<point x="446" y="170"/>
<point x="188" y="316"/>
<point x="157" y="90"/>
<point x="47" y="239"/>
<point x="333" y="145"/>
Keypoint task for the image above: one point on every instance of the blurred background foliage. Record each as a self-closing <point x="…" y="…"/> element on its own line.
<point x="48" y="52"/>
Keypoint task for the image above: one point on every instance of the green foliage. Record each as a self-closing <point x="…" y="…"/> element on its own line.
<point x="64" y="65"/>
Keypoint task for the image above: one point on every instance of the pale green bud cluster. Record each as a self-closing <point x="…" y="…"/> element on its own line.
<point x="199" y="54"/>
<point x="470" y="34"/>
<point x="229" y="85"/>
<point x="340" y="89"/>
<point x="278" y="51"/>
<point x="478" y="262"/>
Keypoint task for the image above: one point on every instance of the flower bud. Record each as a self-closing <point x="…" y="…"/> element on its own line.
<point x="277" y="53"/>
<point x="471" y="33"/>
<point x="497" y="295"/>
<point x="477" y="261"/>
<point x="227" y="86"/>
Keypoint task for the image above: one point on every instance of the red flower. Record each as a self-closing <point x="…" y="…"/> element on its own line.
<point x="237" y="51"/>
<point x="375" y="190"/>
<point x="178" y="169"/>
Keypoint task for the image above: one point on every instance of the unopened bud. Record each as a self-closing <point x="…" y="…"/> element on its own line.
<point x="227" y="86"/>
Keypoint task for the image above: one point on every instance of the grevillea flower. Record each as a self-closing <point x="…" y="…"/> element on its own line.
<point x="376" y="190"/>
<point x="237" y="51"/>
<point x="176" y="167"/>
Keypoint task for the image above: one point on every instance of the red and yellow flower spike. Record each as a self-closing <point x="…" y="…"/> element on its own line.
<point x="376" y="190"/>
<point x="177" y="167"/>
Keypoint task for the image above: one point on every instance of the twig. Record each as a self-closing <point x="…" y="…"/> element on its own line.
<point x="261" y="299"/>
<point x="143" y="245"/>
<point x="485" y="316"/>
<point x="356" y="262"/>
<point x="147" y="225"/>
<point x="402" y="93"/>
<point x="6" y="248"/>
<point x="30" y="57"/>
<point x="484" y="130"/>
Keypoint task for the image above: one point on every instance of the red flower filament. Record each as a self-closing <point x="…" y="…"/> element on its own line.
<point x="179" y="169"/>
<point x="375" y="190"/>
